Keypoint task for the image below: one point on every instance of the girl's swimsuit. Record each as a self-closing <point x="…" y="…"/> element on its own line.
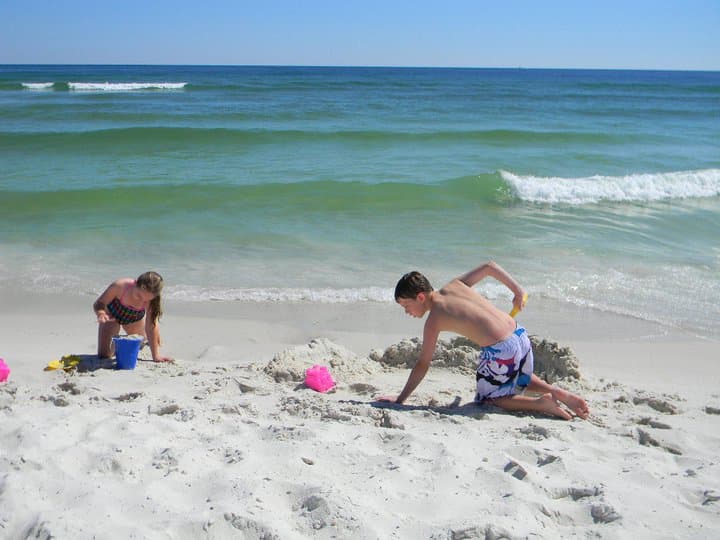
<point x="122" y="313"/>
<point x="505" y="368"/>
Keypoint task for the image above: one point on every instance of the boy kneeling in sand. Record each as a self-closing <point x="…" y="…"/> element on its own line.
<point x="505" y="363"/>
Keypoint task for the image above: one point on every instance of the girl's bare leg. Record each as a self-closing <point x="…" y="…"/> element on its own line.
<point x="545" y="403"/>
<point x="106" y="331"/>
<point x="573" y="402"/>
<point x="135" y="328"/>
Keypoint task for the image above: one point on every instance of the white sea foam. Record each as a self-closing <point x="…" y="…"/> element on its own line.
<point x="125" y="87"/>
<point x="319" y="295"/>
<point x="634" y="187"/>
<point x="38" y="85"/>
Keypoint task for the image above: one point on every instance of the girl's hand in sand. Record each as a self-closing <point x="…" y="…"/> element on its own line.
<point x="163" y="359"/>
<point x="387" y="399"/>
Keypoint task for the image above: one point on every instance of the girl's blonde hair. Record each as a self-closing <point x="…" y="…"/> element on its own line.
<point x="152" y="282"/>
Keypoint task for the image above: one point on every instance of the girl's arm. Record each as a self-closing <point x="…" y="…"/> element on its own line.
<point x="100" y="304"/>
<point x="152" y="331"/>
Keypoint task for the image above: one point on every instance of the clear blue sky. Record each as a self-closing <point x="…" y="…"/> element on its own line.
<point x="625" y="34"/>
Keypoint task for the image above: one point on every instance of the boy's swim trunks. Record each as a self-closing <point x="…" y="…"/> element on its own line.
<point x="504" y="367"/>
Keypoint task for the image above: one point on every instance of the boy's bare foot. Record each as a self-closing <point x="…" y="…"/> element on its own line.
<point x="549" y="405"/>
<point x="578" y="406"/>
<point x="546" y="403"/>
<point x="573" y="402"/>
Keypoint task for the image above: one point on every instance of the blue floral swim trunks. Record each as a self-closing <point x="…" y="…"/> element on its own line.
<point x="504" y="368"/>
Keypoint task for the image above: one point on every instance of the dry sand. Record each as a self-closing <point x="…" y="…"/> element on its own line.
<point x="228" y="443"/>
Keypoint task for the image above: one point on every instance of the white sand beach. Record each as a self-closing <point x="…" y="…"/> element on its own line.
<point x="227" y="442"/>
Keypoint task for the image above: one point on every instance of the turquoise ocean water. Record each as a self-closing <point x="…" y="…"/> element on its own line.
<point x="277" y="184"/>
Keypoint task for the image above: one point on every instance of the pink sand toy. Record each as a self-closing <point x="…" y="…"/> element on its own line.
<point x="318" y="378"/>
<point x="4" y="371"/>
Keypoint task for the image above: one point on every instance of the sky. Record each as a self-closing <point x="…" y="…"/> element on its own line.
<point x="604" y="34"/>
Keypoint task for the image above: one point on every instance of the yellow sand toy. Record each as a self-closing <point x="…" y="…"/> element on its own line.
<point x="67" y="362"/>
<point x="515" y="310"/>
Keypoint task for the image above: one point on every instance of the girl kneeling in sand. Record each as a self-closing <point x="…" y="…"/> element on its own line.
<point x="135" y="305"/>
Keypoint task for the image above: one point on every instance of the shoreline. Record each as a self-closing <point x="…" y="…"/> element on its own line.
<point x="255" y="331"/>
<point x="218" y="444"/>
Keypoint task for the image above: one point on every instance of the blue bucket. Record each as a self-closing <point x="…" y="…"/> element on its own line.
<point x="126" y="351"/>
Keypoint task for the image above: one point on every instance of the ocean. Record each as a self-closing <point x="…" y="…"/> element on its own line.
<point x="279" y="184"/>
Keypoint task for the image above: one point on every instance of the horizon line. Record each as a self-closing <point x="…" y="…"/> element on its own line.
<point x="369" y="66"/>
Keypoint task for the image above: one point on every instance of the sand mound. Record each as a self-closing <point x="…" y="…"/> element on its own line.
<point x="553" y="362"/>
<point x="448" y="354"/>
<point x="345" y="366"/>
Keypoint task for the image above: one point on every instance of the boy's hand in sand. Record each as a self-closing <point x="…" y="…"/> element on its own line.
<point x="164" y="359"/>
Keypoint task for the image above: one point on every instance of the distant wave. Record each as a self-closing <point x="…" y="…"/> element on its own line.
<point x="124" y="87"/>
<point x="38" y="85"/>
<point x="633" y="187"/>
<point x="104" y="86"/>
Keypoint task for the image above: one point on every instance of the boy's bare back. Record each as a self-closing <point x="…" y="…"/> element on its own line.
<point x="458" y="308"/>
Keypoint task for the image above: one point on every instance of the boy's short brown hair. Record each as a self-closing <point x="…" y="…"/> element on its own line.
<point x="412" y="284"/>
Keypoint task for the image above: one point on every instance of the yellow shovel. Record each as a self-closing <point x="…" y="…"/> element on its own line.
<point x="515" y="310"/>
<point x="67" y="363"/>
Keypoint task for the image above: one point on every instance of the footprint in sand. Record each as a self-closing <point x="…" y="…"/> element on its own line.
<point x="534" y="432"/>
<point x="130" y="396"/>
<point x="513" y="468"/>
<point x="647" y="421"/>
<point x="660" y="405"/>
<point x="363" y="388"/>
<point x="710" y="496"/>
<point x="286" y="433"/>
<point x="233" y="455"/>
<point x="472" y="533"/>
<point x="576" y="493"/>
<point x="243" y="387"/>
<point x="166" y="461"/>
<point x="603" y="513"/>
<point x="387" y="420"/>
<point x="316" y="510"/>
<point x="71" y="388"/>
<point x="162" y="410"/>
<point x="249" y="528"/>
<point x="546" y="459"/>
<point x="242" y="408"/>
<point x="38" y="529"/>
<point x="8" y="393"/>
<point x="645" y="439"/>
<point x="58" y="401"/>
<point x="110" y="464"/>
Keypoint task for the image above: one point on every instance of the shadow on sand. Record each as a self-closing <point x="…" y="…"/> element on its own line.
<point x="81" y="363"/>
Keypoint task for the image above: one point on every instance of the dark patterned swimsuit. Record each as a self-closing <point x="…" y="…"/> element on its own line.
<point x="122" y="313"/>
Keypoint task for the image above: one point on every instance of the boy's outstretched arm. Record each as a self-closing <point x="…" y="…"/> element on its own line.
<point x="493" y="269"/>
<point x="430" y="337"/>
